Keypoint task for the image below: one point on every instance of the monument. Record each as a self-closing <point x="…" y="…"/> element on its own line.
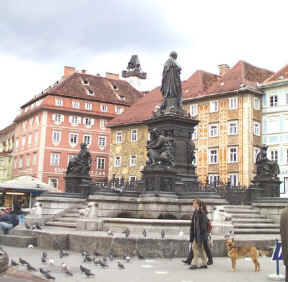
<point x="266" y="180"/>
<point x="170" y="149"/>
<point x="77" y="172"/>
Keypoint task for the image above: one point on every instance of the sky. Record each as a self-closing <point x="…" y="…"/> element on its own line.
<point x="38" y="38"/>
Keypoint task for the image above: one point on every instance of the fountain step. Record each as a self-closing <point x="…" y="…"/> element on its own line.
<point x="20" y="241"/>
<point x="65" y="219"/>
<point x="71" y="214"/>
<point x="61" y="224"/>
<point x="256" y="225"/>
<point x="237" y="207"/>
<point x="241" y="211"/>
<point x="251" y="220"/>
<point x="256" y="231"/>
<point x="247" y="215"/>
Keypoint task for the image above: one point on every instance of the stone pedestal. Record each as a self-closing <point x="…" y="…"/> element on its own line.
<point x="77" y="184"/>
<point x="270" y="186"/>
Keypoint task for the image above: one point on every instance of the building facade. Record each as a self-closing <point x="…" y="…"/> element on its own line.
<point x="75" y="110"/>
<point x="275" y="120"/>
<point x="6" y="149"/>
<point x="228" y="136"/>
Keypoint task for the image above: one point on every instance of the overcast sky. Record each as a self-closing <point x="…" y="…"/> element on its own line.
<point x="37" y="38"/>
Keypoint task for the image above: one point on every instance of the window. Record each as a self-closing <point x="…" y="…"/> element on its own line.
<point x="27" y="160"/>
<point x="74" y="120"/>
<point x="36" y="137"/>
<point x="256" y="128"/>
<point x="256" y="103"/>
<point x="194" y="162"/>
<point x="23" y="141"/>
<point x="233" y="154"/>
<point x="31" y="122"/>
<point x="37" y="120"/>
<point x="102" y="141"/>
<point x="213" y="156"/>
<point x="88" y="122"/>
<point x="193" y="110"/>
<point x="90" y="92"/>
<point x="117" y="161"/>
<point x="55" y="159"/>
<point x="75" y="105"/>
<point x="273" y="100"/>
<point x="30" y="139"/>
<point x="274" y="155"/>
<point x="24" y="125"/>
<point x="102" y="123"/>
<point x="213" y="106"/>
<point x="233" y="178"/>
<point x="256" y="152"/>
<point x="133" y="160"/>
<point x="213" y="130"/>
<point x="101" y="163"/>
<point x="233" y="103"/>
<point x="213" y="178"/>
<point x="134" y="134"/>
<point x="195" y="134"/>
<point x="88" y="106"/>
<point x="104" y="108"/>
<point x="73" y="139"/>
<point x="118" y="110"/>
<point x="58" y="118"/>
<point x="56" y="137"/>
<point x="53" y="182"/>
<point x="132" y="178"/>
<point x="233" y="127"/>
<point x="87" y="139"/>
<point x="118" y="137"/>
<point x="34" y="160"/>
<point x="17" y="143"/>
<point x="58" y="102"/>
<point x="20" y="162"/>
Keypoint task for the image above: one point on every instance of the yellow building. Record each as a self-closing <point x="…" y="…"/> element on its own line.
<point x="6" y="148"/>
<point x="227" y="138"/>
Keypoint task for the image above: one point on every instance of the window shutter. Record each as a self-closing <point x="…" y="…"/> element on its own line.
<point x="53" y="117"/>
<point x="62" y="118"/>
<point x="78" y="120"/>
<point x="92" y="121"/>
<point x="70" y="119"/>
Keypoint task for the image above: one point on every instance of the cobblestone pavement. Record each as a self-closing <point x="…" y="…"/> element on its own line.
<point x="152" y="270"/>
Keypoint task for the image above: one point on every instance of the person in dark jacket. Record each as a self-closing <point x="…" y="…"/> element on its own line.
<point x="284" y="239"/>
<point x="198" y="234"/>
<point x="8" y="220"/>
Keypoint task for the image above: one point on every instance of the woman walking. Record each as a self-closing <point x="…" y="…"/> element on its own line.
<point x="198" y="234"/>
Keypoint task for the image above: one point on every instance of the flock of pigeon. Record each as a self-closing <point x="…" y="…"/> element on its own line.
<point x="96" y="258"/>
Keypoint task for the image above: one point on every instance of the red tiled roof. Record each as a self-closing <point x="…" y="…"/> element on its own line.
<point x="200" y="84"/>
<point x="281" y="74"/>
<point x="8" y="129"/>
<point x="104" y="89"/>
<point x="241" y="73"/>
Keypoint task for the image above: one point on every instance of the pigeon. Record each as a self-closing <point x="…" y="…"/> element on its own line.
<point x="96" y="254"/>
<point x="102" y="263"/>
<point x="30" y="246"/>
<point x="27" y="226"/>
<point x="126" y="232"/>
<point x="163" y="234"/>
<point x="66" y="269"/>
<point x="63" y="254"/>
<point x="36" y="226"/>
<point x="14" y="263"/>
<point x="110" y="233"/>
<point x="30" y="267"/>
<point x="87" y="258"/>
<point x="104" y="259"/>
<point x="22" y="261"/>
<point x="126" y="258"/>
<point x="51" y="262"/>
<point x="96" y="261"/>
<point x="46" y="274"/>
<point x="86" y="271"/>
<point x="139" y="255"/>
<point x="44" y="257"/>
<point x="144" y="233"/>
<point x="111" y="256"/>
<point x="84" y="253"/>
<point x="120" y="265"/>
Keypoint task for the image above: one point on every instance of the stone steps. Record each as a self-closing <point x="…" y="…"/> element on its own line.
<point x="251" y="220"/>
<point x="61" y="224"/>
<point x="242" y="211"/>
<point x="256" y="226"/>
<point x="71" y="214"/>
<point x="20" y="241"/>
<point x="242" y="216"/>
<point x="65" y="219"/>
<point x="256" y="231"/>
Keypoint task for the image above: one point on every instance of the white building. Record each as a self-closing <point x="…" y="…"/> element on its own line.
<point x="275" y="122"/>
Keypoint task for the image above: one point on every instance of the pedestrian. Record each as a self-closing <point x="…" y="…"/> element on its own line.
<point x="284" y="239"/>
<point x="8" y="220"/>
<point x="198" y="233"/>
<point x="206" y="238"/>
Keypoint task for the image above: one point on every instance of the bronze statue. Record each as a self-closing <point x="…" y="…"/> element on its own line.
<point x="284" y="238"/>
<point x="264" y="166"/>
<point x="81" y="163"/>
<point x="160" y="149"/>
<point x="171" y="83"/>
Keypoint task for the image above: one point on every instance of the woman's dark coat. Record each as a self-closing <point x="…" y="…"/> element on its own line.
<point x="198" y="227"/>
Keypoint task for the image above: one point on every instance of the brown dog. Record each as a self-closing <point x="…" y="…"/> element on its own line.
<point x="235" y="253"/>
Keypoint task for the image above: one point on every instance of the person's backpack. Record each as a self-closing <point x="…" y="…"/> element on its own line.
<point x="209" y="226"/>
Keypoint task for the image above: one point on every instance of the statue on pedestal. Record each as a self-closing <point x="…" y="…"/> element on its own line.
<point x="80" y="164"/>
<point x="160" y="149"/>
<point x="266" y="167"/>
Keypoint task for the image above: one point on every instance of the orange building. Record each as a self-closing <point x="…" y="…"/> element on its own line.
<point x="51" y="126"/>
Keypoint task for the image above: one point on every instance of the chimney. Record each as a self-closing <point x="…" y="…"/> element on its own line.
<point x="68" y="71"/>
<point x="112" y="75"/>
<point x="223" y="68"/>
